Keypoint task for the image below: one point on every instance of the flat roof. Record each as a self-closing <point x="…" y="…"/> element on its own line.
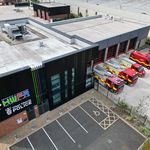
<point x="30" y="54"/>
<point x="36" y="47"/>
<point x="51" y="4"/>
<point x="99" y="29"/>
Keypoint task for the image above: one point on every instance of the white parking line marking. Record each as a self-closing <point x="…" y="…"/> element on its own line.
<point x="89" y="115"/>
<point x="50" y="139"/>
<point x="30" y="143"/>
<point x="78" y="122"/>
<point x="66" y="131"/>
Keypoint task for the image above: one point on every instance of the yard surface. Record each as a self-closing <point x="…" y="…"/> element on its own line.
<point x="141" y="6"/>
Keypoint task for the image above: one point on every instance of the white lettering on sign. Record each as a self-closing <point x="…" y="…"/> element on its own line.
<point x="18" y="107"/>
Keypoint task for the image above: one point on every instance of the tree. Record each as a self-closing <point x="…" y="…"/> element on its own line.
<point x="35" y="1"/>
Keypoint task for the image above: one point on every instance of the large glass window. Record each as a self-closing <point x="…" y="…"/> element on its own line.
<point x="55" y="80"/>
<point x="73" y="79"/>
<point x="89" y="79"/>
<point x="66" y="84"/>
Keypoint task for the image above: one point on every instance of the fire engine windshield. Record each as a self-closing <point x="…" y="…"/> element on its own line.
<point x="119" y="86"/>
<point x="140" y="69"/>
<point x="134" y="77"/>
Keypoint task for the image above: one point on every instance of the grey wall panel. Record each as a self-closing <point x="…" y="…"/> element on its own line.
<point x="103" y="44"/>
<point x="124" y="37"/>
<point x="113" y="40"/>
<point x="139" y="33"/>
<point x="143" y="33"/>
<point x="134" y="34"/>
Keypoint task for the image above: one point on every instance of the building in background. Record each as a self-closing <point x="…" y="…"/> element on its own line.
<point x="10" y="2"/>
<point x="51" y="11"/>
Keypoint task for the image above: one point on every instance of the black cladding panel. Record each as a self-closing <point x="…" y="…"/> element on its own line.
<point x="79" y="62"/>
<point x="59" y="10"/>
<point x="53" y="10"/>
<point x="16" y="94"/>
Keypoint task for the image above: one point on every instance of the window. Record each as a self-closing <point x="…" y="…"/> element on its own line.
<point x="55" y="80"/>
<point x="89" y="79"/>
<point x="72" y="81"/>
<point x="66" y="84"/>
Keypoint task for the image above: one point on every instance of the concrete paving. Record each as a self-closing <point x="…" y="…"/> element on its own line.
<point x="129" y="5"/>
<point x="101" y="9"/>
<point x="137" y="96"/>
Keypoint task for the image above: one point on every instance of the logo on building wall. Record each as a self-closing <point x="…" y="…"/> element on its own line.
<point x="14" y="98"/>
<point x="6" y="103"/>
<point x="8" y="111"/>
<point x="13" y="109"/>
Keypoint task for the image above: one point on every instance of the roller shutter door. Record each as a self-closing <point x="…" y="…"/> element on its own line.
<point x="100" y="58"/>
<point x="111" y="51"/>
<point x="132" y="43"/>
<point x="122" y="47"/>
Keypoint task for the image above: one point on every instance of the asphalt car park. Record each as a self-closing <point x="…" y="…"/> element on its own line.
<point x="90" y="126"/>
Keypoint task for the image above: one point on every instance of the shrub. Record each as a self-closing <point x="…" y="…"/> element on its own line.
<point x="80" y="14"/>
<point x="123" y="106"/>
<point x="146" y="146"/>
<point x="148" y="41"/>
<point x="35" y="1"/>
<point x="144" y="130"/>
<point x="72" y="15"/>
<point x="131" y="118"/>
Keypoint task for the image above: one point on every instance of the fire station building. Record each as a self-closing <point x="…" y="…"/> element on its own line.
<point x="51" y="64"/>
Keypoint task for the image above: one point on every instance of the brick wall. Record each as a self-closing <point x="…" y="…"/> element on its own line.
<point x="11" y="124"/>
<point x="39" y="13"/>
<point x="47" y="16"/>
<point x="43" y="15"/>
<point x="35" y="14"/>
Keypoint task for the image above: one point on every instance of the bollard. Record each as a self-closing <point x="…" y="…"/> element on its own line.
<point x="33" y="127"/>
